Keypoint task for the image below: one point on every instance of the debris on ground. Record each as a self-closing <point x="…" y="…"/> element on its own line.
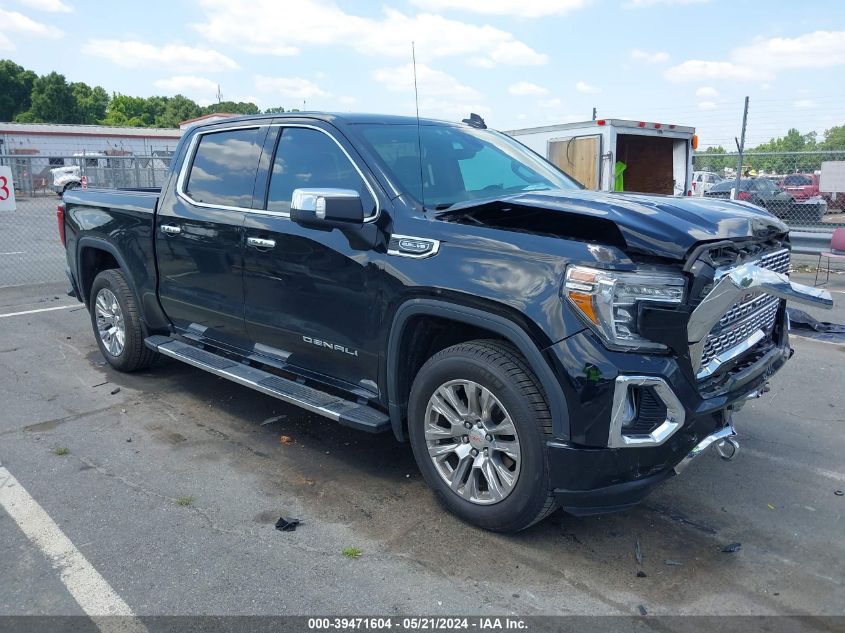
<point x="673" y="563"/>
<point x="771" y="507"/>
<point x="184" y="501"/>
<point x="642" y="609"/>
<point x="285" y="439"/>
<point x="638" y="553"/>
<point x="128" y="439"/>
<point x="275" y="418"/>
<point x="642" y="574"/>
<point x="115" y="390"/>
<point x="733" y="547"/>
<point x="838" y="493"/>
<point x="285" y="524"/>
<point x="100" y="384"/>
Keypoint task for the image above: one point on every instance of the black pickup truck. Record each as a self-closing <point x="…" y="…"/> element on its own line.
<point x="538" y="345"/>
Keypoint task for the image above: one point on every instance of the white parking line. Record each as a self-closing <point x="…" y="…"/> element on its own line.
<point x="13" y="253"/>
<point x="85" y="584"/>
<point x="11" y="314"/>
<point x="795" y="465"/>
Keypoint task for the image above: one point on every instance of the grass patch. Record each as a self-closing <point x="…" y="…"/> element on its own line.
<point x="352" y="552"/>
<point x="184" y="501"/>
<point x="61" y="450"/>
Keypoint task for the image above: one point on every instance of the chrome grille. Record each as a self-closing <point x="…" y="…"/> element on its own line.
<point x="744" y="318"/>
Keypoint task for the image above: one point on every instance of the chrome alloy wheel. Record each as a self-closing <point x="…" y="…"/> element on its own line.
<point x="110" y="326"/>
<point x="472" y="441"/>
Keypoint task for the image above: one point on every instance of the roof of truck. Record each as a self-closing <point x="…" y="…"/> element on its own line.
<point x="342" y="117"/>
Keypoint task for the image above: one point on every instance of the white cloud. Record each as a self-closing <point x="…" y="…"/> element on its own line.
<point x="187" y="84"/>
<point x="698" y="69"/>
<point x="583" y="86"/>
<point x="430" y="82"/>
<point x="314" y="23"/>
<point x="707" y="92"/>
<point x="650" y="58"/>
<point x="707" y="105"/>
<point x="549" y="103"/>
<point x="295" y="88"/>
<point x="5" y="43"/>
<point x="450" y="110"/>
<point x="134" y="54"/>
<point x="761" y="59"/>
<point x="51" y="6"/>
<point x="348" y="100"/>
<point x="804" y="104"/>
<point x="14" y="22"/>
<point x="531" y="9"/>
<point x="524" y="88"/>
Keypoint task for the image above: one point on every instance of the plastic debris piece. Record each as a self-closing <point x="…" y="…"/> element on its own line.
<point x="275" y="418"/>
<point x="285" y="524"/>
<point x="673" y="563"/>
<point x="286" y="440"/>
<point x="638" y="553"/>
<point x="115" y="390"/>
<point x="733" y="547"/>
<point x="642" y="574"/>
<point x="771" y="507"/>
<point x="838" y="493"/>
<point x="641" y="608"/>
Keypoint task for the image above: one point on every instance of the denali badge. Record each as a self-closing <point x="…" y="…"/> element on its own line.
<point x="334" y="346"/>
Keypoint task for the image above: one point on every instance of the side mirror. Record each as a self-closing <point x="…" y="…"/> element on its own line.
<point x="326" y="207"/>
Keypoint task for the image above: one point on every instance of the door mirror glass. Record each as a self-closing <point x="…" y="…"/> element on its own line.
<point x="327" y="207"/>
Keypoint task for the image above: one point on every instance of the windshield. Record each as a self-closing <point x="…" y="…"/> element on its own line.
<point x="766" y="186"/>
<point x="460" y="164"/>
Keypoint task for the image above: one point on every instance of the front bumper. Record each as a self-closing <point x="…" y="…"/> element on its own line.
<point x="591" y="477"/>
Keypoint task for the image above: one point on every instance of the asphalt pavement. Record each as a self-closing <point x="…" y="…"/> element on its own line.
<point x="168" y="484"/>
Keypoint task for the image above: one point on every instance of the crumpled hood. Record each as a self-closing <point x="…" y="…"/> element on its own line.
<point x="665" y="226"/>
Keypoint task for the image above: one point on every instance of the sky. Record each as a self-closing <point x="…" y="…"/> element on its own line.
<point x="518" y="63"/>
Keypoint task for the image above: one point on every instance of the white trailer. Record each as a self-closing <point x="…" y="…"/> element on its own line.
<point x="657" y="157"/>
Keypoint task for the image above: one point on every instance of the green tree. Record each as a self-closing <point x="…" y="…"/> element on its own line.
<point x="128" y="111"/>
<point x="52" y="100"/>
<point x="178" y="109"/>
<point x="713" y="159"/>
<point x="15" y="89"/>
<point x="232" y="107"/>
<point x="834" y="138"/>
<point x="275" y="110"/>
<point x="91" y="103"/>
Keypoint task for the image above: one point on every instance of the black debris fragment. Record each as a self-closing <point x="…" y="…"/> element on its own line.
<point x="638" y="553"/>
<point x="838" y="493"/>
<point x="285" y="524"/>
<point x="733" y="547"/>
<point x="115" y="390"/>
<point x="642" y="609"/>
<point x="642" y="574"/>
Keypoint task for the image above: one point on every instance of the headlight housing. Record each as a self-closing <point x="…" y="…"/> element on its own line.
<point x="609" y="301"/>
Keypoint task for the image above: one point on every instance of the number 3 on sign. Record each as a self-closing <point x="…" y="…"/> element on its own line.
<point x="7" y="190"/>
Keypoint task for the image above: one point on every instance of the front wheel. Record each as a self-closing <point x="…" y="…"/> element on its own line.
<point x="117" y="323"/>
<point x="478" y="423"/>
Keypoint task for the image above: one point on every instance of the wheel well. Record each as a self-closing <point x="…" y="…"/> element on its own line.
<point x="93" y="261"/>
<point x="424" y="336"/>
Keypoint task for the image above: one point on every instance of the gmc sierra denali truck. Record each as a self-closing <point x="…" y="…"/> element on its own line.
<point x="539" y="345"/>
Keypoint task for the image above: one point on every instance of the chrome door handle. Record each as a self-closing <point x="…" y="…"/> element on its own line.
<point x="260" y="242"/>
<point x="170" y="229"/>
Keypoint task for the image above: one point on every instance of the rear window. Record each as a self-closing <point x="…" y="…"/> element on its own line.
<point x="797" y="180"/>
<point x="727" y="185"/>
<point x="224" y="167"/>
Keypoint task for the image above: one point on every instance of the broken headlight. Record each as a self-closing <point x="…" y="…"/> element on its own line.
<point x="609" y="300"/>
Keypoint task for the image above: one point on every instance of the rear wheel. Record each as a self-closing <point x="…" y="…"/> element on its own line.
<point x="478" y="422"/>
<point x="117" y="323"/>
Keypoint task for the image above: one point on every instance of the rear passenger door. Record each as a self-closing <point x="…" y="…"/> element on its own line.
<point x="199" y="234"/>
<point x="310" y="294"/>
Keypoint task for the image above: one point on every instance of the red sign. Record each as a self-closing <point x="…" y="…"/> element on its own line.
<point x="84" y="181"/>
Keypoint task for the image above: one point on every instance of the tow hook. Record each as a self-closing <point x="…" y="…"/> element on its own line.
<point x="764" y="388"/>
<point x="727" y="448"/>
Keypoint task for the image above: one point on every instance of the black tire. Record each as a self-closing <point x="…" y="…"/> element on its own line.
<point x="134" y="355"/>
<point x="500" y="368"/>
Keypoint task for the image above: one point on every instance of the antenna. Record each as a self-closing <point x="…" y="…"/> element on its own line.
<point x="419" y="134"/>
<point x="219" y="95"/>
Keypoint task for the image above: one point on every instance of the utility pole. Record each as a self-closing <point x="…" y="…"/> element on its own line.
<point x="219" y="95"/>
<point x="740" y="146"/>
<point x="594" y="114"/>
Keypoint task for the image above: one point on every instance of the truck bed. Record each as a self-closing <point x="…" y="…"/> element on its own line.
<point x="143" y="200"/>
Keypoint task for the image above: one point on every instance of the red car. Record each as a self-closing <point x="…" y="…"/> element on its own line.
<point x="805" y="186"/>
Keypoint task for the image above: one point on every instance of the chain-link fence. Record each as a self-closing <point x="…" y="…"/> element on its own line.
<point x="30" y="251"/>
<point x="785" y="183"/>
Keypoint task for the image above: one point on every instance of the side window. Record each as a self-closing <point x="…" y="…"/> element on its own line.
<point x="307" y="158"/>
<point x="224" y="168"/>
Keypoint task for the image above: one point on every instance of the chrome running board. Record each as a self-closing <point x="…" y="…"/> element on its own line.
<point x="351" y="414"/>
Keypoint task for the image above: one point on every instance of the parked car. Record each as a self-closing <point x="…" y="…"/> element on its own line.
<point x="538" y="344"/>
<point x="760" y="191"/>
<point x="806" y="186"/>
<point x="703" y="181"/>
